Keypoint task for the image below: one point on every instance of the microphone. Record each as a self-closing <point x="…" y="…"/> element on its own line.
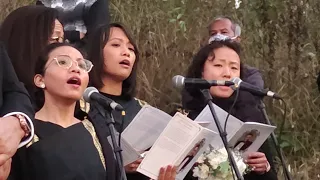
<point x="180" y="82"/>
<point x="92" y="94"/>
<point x="241" y="85"/>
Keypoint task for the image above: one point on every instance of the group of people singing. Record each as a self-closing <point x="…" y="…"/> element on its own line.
<point x="60" y="136"/>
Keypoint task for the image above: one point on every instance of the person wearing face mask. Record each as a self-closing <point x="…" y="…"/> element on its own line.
<point x="227" y="27"/>
<point x="24" y="33"/>
<point x="220" y="60"/>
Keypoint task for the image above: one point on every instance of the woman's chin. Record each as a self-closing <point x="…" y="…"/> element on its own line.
<point x="224" y="94"/>
<point x="73" y="97"/>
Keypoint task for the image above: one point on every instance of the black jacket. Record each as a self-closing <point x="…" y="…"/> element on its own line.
<point x="245" y="109"/>
<point x="13" y="95"/>
<point x="131" y="106"/>
<point x="253" y="76"/>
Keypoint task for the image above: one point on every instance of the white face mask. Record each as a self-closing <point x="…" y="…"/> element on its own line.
<point x="220" y="37"/>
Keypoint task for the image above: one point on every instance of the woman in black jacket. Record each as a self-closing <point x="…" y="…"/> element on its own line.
<point x="116" y="56"/>
<point x="220" y="60"/>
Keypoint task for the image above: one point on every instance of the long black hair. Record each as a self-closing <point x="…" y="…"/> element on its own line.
<point x="98" y="42"/>
<point x="25" y="32"/>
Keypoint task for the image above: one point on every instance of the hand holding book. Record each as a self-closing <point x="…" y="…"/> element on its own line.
<point x="167" y="173"/>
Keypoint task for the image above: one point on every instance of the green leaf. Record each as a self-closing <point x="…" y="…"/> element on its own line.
<point x="176" y="9"/>
<point x="182" y="25"/>
<point x="172" y="20"/>
<point x="224" y="167"/>
<point x="179" y="16"/>
<point x="285" y="144"/>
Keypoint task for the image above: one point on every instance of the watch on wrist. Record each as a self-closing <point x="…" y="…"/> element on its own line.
<point x="24" y="124"/>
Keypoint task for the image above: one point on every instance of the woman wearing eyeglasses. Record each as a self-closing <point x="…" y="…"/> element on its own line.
<point x="63" y="147"/>
<point x="25" y="32"/>
<point x="220" y="60"/>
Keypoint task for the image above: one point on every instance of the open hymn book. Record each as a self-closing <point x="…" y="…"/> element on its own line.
<point x="243" y="136"/>
<point x="180" y="141"/>
<point x="180" y="144"/>
<point x="142" y="132"/>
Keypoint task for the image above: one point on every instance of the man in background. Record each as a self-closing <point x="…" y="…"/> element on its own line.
<point x="225" y="26"/>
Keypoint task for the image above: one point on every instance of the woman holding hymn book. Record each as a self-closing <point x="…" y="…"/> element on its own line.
<point x="115" y="56"/>
<point x="65" y="147"/>
<point x="220" y="60"/>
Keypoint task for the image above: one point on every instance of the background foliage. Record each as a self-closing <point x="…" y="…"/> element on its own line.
<point x="279" y="37"/>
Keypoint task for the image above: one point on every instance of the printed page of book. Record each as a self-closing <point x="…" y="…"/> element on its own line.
<point x="129" y="154"/>
<point x="205" y="119"/>
<point x="179" y="144"/>
<point x="145" y="128"/>
<point x="250" y="137"/>
<point x="200" y="144"/>
<point x="169" y="147"/>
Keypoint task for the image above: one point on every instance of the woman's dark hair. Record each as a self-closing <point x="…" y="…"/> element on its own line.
<point x="38" y="93"/>
<point x="99" y="40"/>
<point x="196" y="67"/>
<point x="193" y="98"/>
<point x="25" y="32"/>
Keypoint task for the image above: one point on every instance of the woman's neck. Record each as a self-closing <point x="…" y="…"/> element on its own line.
<point x="58" y="111"/>
<point x="111" y="86"/>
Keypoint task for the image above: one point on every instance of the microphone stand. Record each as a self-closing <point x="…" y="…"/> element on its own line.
<point x="262" y="107"/>
<point x="117" y="149"/>
<point x="222" y="134"/>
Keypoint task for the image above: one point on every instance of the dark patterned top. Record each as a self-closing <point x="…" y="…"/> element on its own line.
<point x="60" y="153"/>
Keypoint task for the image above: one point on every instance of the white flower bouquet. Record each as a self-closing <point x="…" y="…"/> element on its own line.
<point x="214" y="165"/>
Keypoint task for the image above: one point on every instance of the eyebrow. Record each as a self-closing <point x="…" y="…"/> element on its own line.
<point x="223" y="29"/>
<point x="116" y="39"/>
<point x="120" y="40"/>
<point x="78" y="59"/>
<point x="69" y="57"/>
<point x="232" y="62"/>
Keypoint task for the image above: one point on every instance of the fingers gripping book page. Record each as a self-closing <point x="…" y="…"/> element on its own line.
<point x="250" y="137"/>
<point x="181" y="142"/>
<point x="243" y="136"/>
